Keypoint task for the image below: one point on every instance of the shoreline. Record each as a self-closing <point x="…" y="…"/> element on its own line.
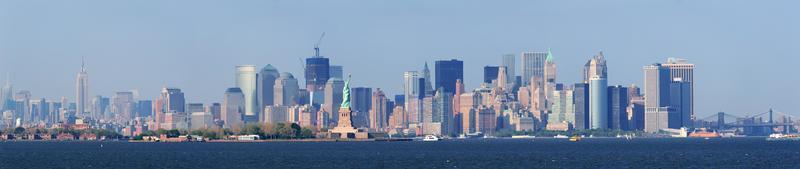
<point x="367" y="140"/>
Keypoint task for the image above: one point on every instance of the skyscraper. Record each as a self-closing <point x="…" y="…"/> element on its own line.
<point x="173" y="100"/>
<point x="502" y="82"/>
<point x="99" y="106"/>
<point x="549" y="76"/>
<point x="266" y="86"/>
<point x="6" y="95"/>
<point x="82" y="91"/>
<point x="581" y="96"/>
<point x="411" y="89"/>
<point x="510" y="62"/>
<point x="144" y="108"/>
<point x="618" y="103"/>
<point x="333" y="97"/>
<point x="447" y="72"/>
<point x="336" y="71"/>
<point x="533" y="66"/>
<point x="680" y="99"/>
<point x="233" y="107"/>
<point x="246" y="81"/>
<point x="379" y="111"/>
<point x="123" y="105"/>
<point x="286" y="90"/>
<point x="317" y="72"/>
<point x="427" y="85"/>
<point x="490" y="73"/>
<point x="656" y="103"/>
<point x="681" y="69"/>
<point x="598" y="92"/>
<point x="361" y="102"/>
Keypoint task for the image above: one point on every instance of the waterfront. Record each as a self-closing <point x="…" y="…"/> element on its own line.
<point x="478" y="153"/>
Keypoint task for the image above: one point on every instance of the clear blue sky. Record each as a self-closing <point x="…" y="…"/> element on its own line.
<point x="744" y="50"/>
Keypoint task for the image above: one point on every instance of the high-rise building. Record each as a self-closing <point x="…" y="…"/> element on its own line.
<point x="7" y="95"/>
<point x="502" y="82"/>
<point x="233" y="106"/>
<point x="317" y="72"/>
<point x="411" y="89"/>
<point x="82" y="91"/>
<point x="123" y="105"/>
<point x="549" y="76"/>
<point x="216" y="110"/>
<point x="333" y="97"/>
<point x="581" y="97"/>
<point x="246" y="81"/>
<point x="617" y="107"/>
<point x="656" y="104"/>
<point x="447" y="72"/>
<point x="195" y="107"/>
<point x="438" y="122"/>
<point x="427" y="85"/>
<point x="510" y="62"/>
<point x="99" y="106"/>
<point x="635" y="112"/>
<point x="286" y="90"/>
<point x="379" y="111"/>
<point x="681" y="69"/>
<point x="680" y="99"/>
<point x="144" y="108"/>
<point x="266" y="86"/>
<point x="563" y="110"/>
<point x="598" y="92"/>
<point x="533" y="66"/>
<point x="361" y="102"/>
<point x="336" y="71"/>
<point x="490" y="73"/>
<point x="173" y="100"/>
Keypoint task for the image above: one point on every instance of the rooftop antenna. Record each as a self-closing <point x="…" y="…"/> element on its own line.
<point x="83" y="64"/>
<point x="316" y="46"/>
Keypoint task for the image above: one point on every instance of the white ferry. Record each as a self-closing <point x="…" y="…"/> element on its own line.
<point x="431" y="138"/>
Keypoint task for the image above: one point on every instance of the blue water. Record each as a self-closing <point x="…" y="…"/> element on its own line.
<point x="495" y="153"/>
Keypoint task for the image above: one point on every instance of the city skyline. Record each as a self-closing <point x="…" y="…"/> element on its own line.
<point x="715" y="92"/>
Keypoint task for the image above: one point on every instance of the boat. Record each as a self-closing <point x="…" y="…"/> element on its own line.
<point x="522" y="137"/>
<point x="430" y="138"/>
<point x="575" y="138"/>
<point x="462" y="136"/>
<point x="783" y="137"/>
<point x="560" y="136"/>
<point x="703" y="133"/>
<point x="489" y="137"/>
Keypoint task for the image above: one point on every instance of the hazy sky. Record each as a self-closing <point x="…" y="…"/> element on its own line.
<point x="744" y="51"/>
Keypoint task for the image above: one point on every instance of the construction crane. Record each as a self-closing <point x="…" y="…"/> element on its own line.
<point x="316" y="46"/>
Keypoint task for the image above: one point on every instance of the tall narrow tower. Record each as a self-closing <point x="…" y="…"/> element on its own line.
<point x="82" y="90"/>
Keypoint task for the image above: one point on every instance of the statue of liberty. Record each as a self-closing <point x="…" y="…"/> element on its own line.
<point x="346" y="93"/>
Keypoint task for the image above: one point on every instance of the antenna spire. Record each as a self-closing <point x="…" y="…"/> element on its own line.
<point x="83" y="64"/>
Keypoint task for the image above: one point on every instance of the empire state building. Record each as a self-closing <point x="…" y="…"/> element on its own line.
<point x="82" y="91"/>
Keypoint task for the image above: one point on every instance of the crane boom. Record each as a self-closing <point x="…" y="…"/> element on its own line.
<point x="316" y="46"/>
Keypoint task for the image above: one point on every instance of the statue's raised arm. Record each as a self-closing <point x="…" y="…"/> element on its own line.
<point x="346" y="93"/>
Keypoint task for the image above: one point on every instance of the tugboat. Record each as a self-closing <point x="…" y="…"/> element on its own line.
<point x="431" y="138"/>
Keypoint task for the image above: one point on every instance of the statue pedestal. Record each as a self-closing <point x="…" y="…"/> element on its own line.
<point x="344" y="127"/>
